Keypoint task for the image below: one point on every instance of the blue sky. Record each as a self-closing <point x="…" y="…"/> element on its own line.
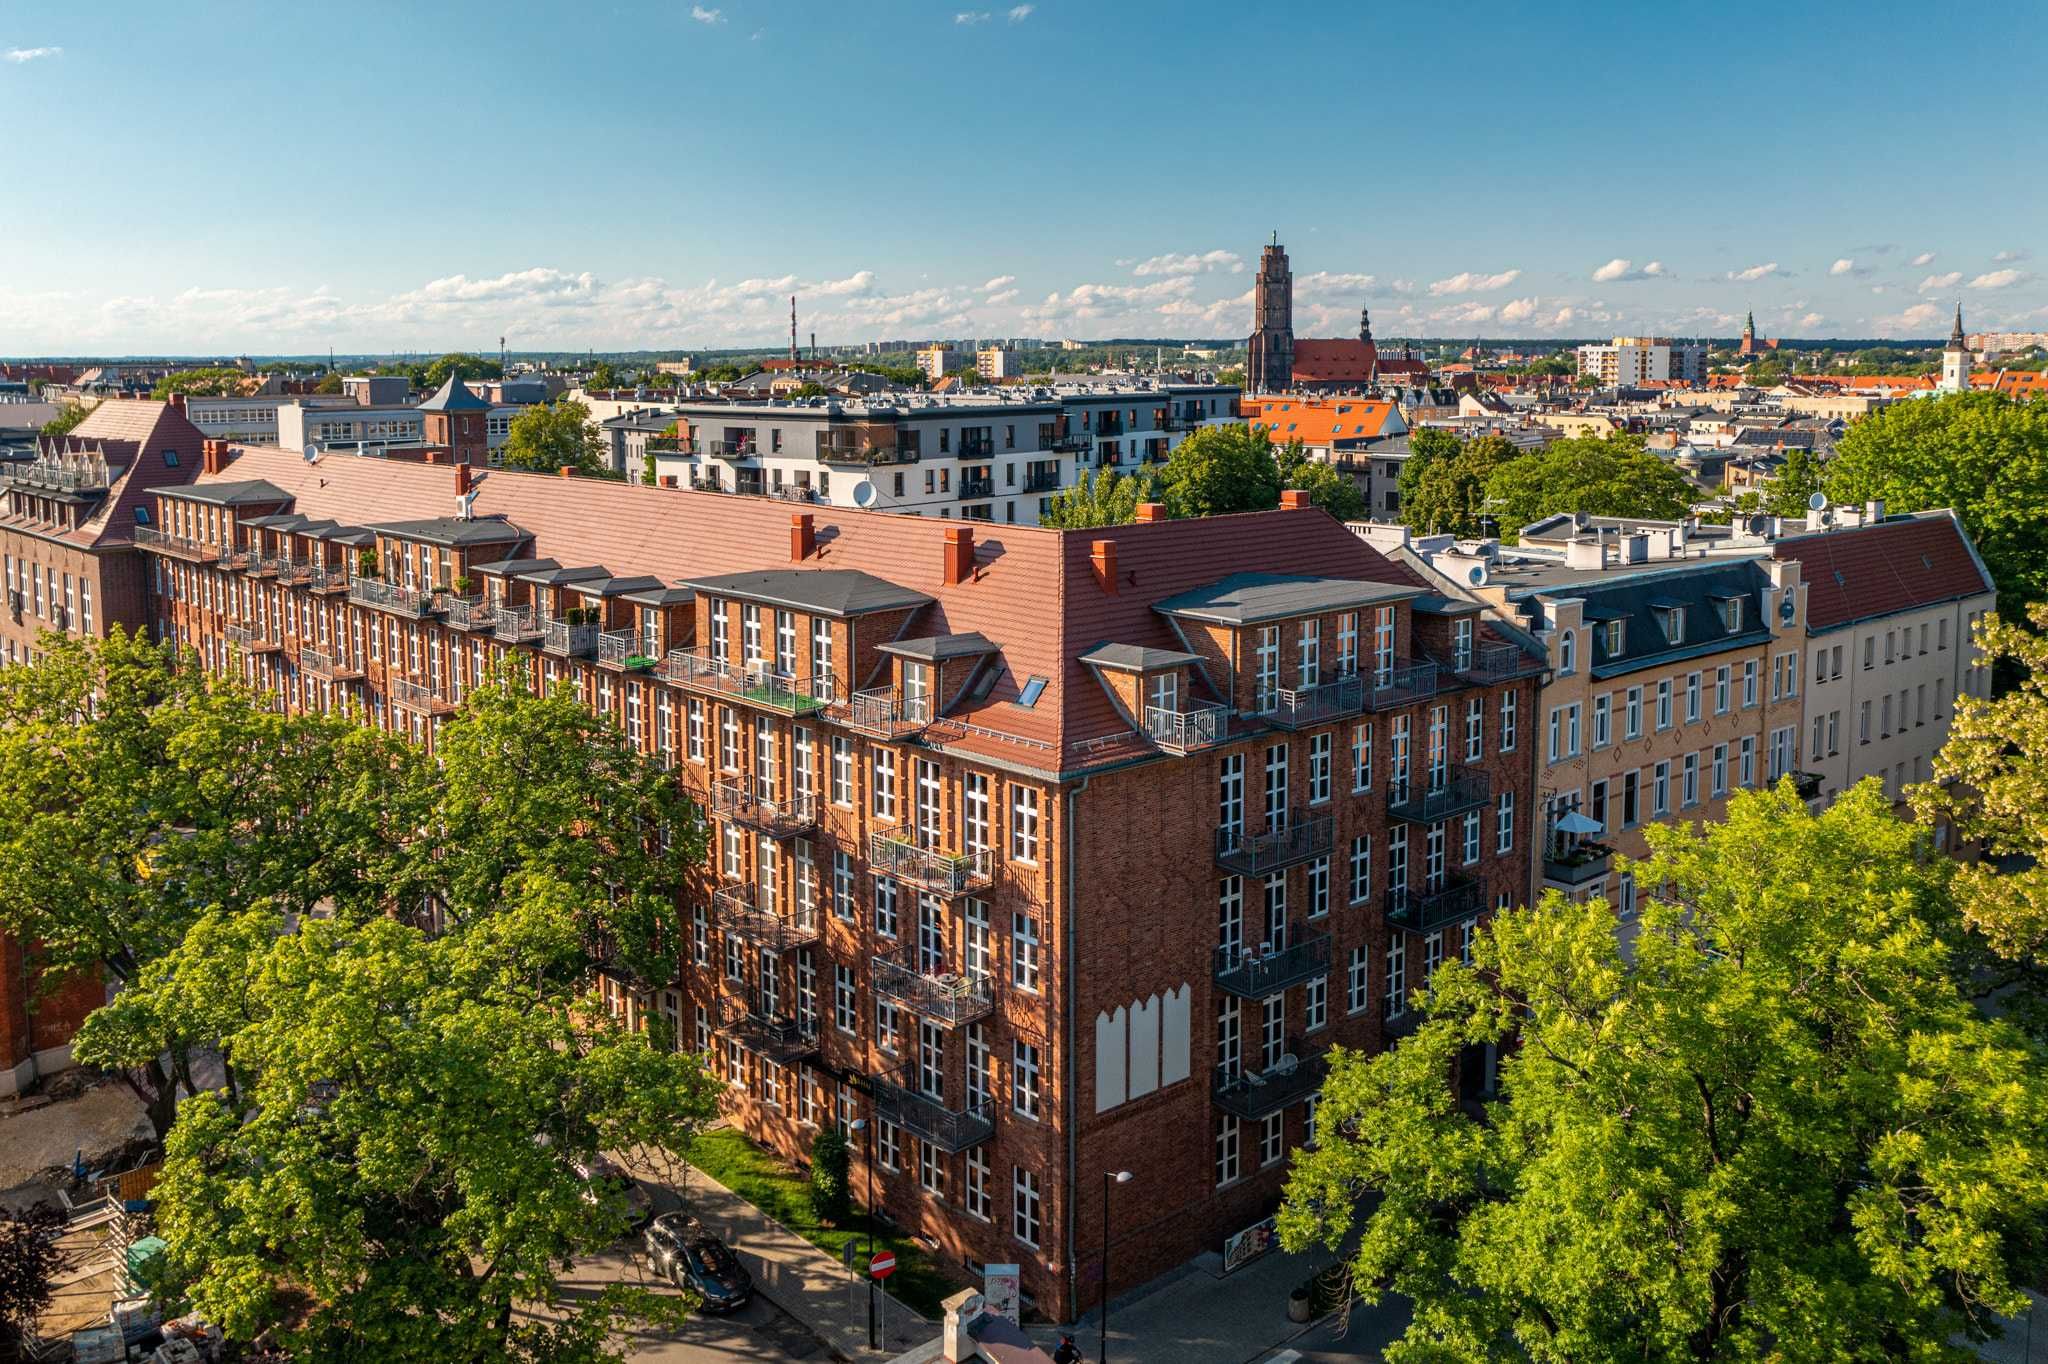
<point x="211" y="177"/>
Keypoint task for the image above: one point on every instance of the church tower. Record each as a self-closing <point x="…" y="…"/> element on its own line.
<point x="1748" y="346"/>
<point x="1955" y="358"/>
<point x="1269" y="367"/>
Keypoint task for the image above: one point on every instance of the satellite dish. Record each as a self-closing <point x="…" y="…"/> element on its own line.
<point x="1818" y="502"/>
<point x="863" y="494"/>
<point x="1759" y="525"/>
<point x="1476" y="575"/>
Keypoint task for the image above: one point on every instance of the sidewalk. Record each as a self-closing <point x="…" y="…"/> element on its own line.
<point x="830" y="1300"/>
<point x="1195" y="1312"/>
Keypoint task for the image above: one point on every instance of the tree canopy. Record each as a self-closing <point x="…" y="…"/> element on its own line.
<point x="1789" y="493"/>
<point x="1108" y="498"/>
<point x="549" y="437"/>
<point x="67" y="419"/>
<point x="1776" y="1131"/>
<point x="1327" y="486"/>
<point x="1601" y="476"/>
<point x="219" y="381"/>
<point x="1448" y="495"/>
<point x="1983" y="454"/>
<point x="1215" y="471"/>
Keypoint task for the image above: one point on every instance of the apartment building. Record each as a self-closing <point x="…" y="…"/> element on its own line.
<point x="976" y="456"/>
<point x="1049" y="853"/>
<point x="1893" y="606"/>
<point x="1630" y="360"/>
<point x="69" y="522"/>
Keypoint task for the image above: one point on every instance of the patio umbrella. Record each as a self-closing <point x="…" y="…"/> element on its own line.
<point x="1578" y="825"/>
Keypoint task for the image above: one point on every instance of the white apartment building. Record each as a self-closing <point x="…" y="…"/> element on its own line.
<point x="1892" y="606"/>
<point x="998" y="362"/>
<point x="345" y="426"/>
<point x="1640" y="359"/>
<point x="982" y="455"/>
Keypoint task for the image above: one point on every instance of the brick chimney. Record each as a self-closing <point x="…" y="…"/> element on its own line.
<point x="178" y="403"/>
<point x="1293" y="499"/>
<point x="213" y="455"/>
<point x="462" y="480"/>
<point x="568" y="471"/>
<point x="1151" y="511"/>
<point x="803" y="537"/>
<point x="959" y="561"/>
<point x="1103" y="556"/>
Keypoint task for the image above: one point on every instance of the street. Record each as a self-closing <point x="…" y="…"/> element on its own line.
<point x="761" y="1332"/>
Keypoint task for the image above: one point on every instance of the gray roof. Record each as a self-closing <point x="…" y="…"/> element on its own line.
<point x="940" y="648"/>
<point x="507" y="568"/>
<point x="1701" y="589"/>
<point x="453" y="530"/>
<point x="275" y="521"/>
<point x="1137" y="658"/>
<point x="1243" y="598"/>
<point x="1438" y="605"/>
<point x="615" y="587"/>
<point x="248" y="492"/>
<point x="563" y="577"/>
<point x="454" y="396"/>
<point x="823" y="591"/>
<point x="662" y="596"/>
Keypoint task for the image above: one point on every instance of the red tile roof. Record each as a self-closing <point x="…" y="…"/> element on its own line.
<point x="1855" y="573"/>
<point x="1033" y="590"/>
<point x="1317" y="421"/>
<point x="135" y="432"/>
<point x="1337" y="361"/>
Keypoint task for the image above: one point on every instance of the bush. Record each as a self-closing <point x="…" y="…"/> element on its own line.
<point x="831" y="1199"/>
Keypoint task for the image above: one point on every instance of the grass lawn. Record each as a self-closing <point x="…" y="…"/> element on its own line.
<point x="785" y="1194"/>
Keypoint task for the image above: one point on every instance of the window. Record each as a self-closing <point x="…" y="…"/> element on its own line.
<point x="1748" y="768"/>
<point x="842" y="769"/>
<point x="885" y="907"/>
<point x="1567" y="652"/>
<point x="1721" y="676"/>
<point x="1503" y="823"/>
<point x="1471" y="837"/>
<point x="1564" y="732"/>
<point x="1309" y="655"/>
<point x="1475" y="729"/>
<point x="888" y="1026"/>
<point x="1024" y="948"/>
<point x="1024" y="1080"/>
<point x="1023" y="823"/>
<point x="1319" y="767"/>
<point x="977" y="1182"/>
<point x="1663" y="703"/>
<point x="1692" y="698"/>
<point x="1617" y="636"/>
<point x="1230" y="915"/>
<point x="1673" y="621"/>
<point x="1509" y="707"/>
<point x="1361" y="757"/>
<point x="1689" y="780"/>
<point x="1318" y="878"/>
<point x="1347" y="644"/>
<point x="1632" y="714"/>
<point x="888" y="1144"/>
<point x="1266" y="677"/>
<point x="1720" y="769"/>
<point x="1603" y="719"/>
<point x="882" y="785"/>
<point x="1361" y="869"/>
<point x="1461" y="644"/>
<point x="1383" y="645"/>
<point x="1272" y="1138"/>
<point x="1397" y="975"/>
<point x="1357" y="973"/>
<point x="1660" y="788"/>
<point x="1230" y="794"/>
<point x="1025" y="1208"/>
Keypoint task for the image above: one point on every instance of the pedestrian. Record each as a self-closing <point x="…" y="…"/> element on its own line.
<point x="1067" y="1352"/>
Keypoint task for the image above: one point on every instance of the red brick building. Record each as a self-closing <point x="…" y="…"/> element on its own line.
<point x="68" y="526"/>
<point x="1053" y="853"/>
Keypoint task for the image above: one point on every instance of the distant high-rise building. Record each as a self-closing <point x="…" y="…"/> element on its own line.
<point x="1269" y="368"/>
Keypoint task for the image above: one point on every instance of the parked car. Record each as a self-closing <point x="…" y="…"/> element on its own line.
<point x="689" y="1256"/>
<point x="603" y="1179"/>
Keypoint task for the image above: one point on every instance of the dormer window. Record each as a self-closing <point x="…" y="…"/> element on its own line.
<point x="1568" y="651"/>
<point x="170" y="459"/>
<point x="1616" y="632"/>
<point x="1731" y="614"/>
<point x="1674" y="624"/>
<point x="1162" y="691"/>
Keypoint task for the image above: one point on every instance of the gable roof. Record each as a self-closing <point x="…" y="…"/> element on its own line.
<point x="1247" y="598"/>
<point x="454" y="396"/>
<point x="138" y="434"/>
<point x="1701" y="589"/>
<point x="1856" y="573"/>
<point x="1337" y="360"/>
<point x="827" y="591"/>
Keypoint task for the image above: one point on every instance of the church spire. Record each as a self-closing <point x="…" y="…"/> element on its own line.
<point x="1365" y="326"/>
<point x="1955" y="336"/>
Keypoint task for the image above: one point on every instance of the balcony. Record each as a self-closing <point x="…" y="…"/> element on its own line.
<point x="1041" y="480"/>
<point x="1491" y="663"/>
<point x="517" y="624"/>
<point x="940" y="873"/>
<point x="1257" y="854"/>
<point x="743" y="910"/>
<point x="1109" y="423"/>
<point x="1302" y="707"/>
<point x="402" y="601"/>
<point x="743" y="448"/>
<point x="623" y="649"/>
<point x="251" y="640"/>
<point x="1807" y="784"/>
<point x="1457" y="791"/>
<point x="333" y="579"/>
<point x="420" y="697"/>
<point x="1405" y="682"/>
<point x="333" y="667"/>
<point x="928" y="1118"/>
<point x="467" y="613"/>
<point x="62" y="474"/>
<point x="1185" y="731"/>
<point x="177" y="546"/>
<point x="1581" y="866"/>
<point x="670" y="445"/>
<point x="1252" y="1095"/>
<point x="1073" y="443"/>
<point x="298" y="571"/>
<point x="1256" y="974"/>
<point x="260" y="565"/>
<point x="766" y="1032"/>
<point x="1181" y="421"/>
<point x="1425" y="911"/>
<point x="863" y="452"/>
<point x="948" y="999"/>
<point x="755" y="685"/>
<point x="885" y="712"/>
<point x="971" y="488"/>
<point x="570" y="639"/>
<point x="746" y="803"/>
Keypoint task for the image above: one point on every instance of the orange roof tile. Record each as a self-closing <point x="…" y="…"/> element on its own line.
<point x="1318" y="421"/>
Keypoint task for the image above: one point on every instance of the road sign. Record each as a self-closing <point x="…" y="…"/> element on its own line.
<point x="883" y="1265"/>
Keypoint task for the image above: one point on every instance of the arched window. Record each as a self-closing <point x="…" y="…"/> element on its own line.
<point x="1568" y="651"/>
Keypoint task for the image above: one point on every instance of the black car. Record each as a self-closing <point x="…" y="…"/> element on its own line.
<point x="690" y="1257"/>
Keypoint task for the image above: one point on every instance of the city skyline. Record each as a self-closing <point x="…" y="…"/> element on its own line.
<point x="661" y="177"/>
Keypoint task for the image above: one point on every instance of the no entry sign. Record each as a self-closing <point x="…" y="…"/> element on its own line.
<point x="883" y="1265"/>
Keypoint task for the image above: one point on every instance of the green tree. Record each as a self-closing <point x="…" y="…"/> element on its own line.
<point x="1107" y="499"/>
<point x="1425" y="448"/>
<point x="1610" y="476"/>
<point x="1982" y="454"/>
<point x="431" y="377"/>
<point x="1991" y="785"/>
<point x="396" y="1178"/>
<point x="1221" y="469"/>
<point x="67" y="419"/>
<point x="602" y="377"/>
<point x="219" y="381"/>
<point x="1796" y="482"/>
<point x="1327" y="486"/>
<point x="329" y="383"/>
<point x="1777" y="1132"/>
<point x="1450" y="495"/>
<point x="831" y="1194"/>
<point x="548" y="437"/>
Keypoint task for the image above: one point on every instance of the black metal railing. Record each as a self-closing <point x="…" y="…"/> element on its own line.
<point x="943" y="997"/>
<point x="1256" y="854"/>
<point x="1258" y="1094"/>
<point x="1256" y="972"/>
<point x="931" y="1119"/>
<point x="1427" y="802"/>
<point x="1422" y="911"/>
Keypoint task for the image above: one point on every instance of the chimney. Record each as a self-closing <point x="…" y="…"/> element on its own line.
<point x="434" y="456"/>
<point x="1293" y="499"/>
<point x="568" y="471"/>
<point x="959" y="560"/>
<point x="212" y="455"/>
<point x="1583" y="553"/>
<point x="956" y="1342"/>
<point x="1149" y="512"/>
<point x="178" y="403"/>
<point x="462" y="480"/>
<point x="1103" y="556"/>
<point x="1873" y="511"/>
<point x="802" y="537"/>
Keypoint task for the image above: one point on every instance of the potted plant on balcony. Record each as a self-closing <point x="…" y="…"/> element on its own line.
<point x="462" y="586"/>
<point x="366" y="564"/>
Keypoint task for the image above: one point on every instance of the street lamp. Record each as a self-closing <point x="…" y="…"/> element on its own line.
<point x="861" y="1125"/>
<point x="1108" y="1178"/>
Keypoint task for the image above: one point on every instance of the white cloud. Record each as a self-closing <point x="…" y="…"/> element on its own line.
<point x="1019" y="13"/>
<point x="1621" y="269"/>
<point x="1189" y="264"/>
<point x="1518" y="310"/>
<point x="707" y="16"/>
<point x="1999" y="279"/>
<point x="1563" y="316"/>
<point x="999" y="282"/>
<point x="2020" y="253"/>
<point x="19" y="55"/>
<point x="1468" y="282"/>
<point x="1947" y="281"/>
<point x="1463" y="314"/>
<point x="1811" y="320"/>
<point x="1924" y="258"/>
<point x="1322" y="283"/>
<point x="1000" y="297"/>
<point x="1914" y="321"/>
<point x="1847" y="266"/>
<point x="1755" y="272"/>
<point x="971" y="17"/>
